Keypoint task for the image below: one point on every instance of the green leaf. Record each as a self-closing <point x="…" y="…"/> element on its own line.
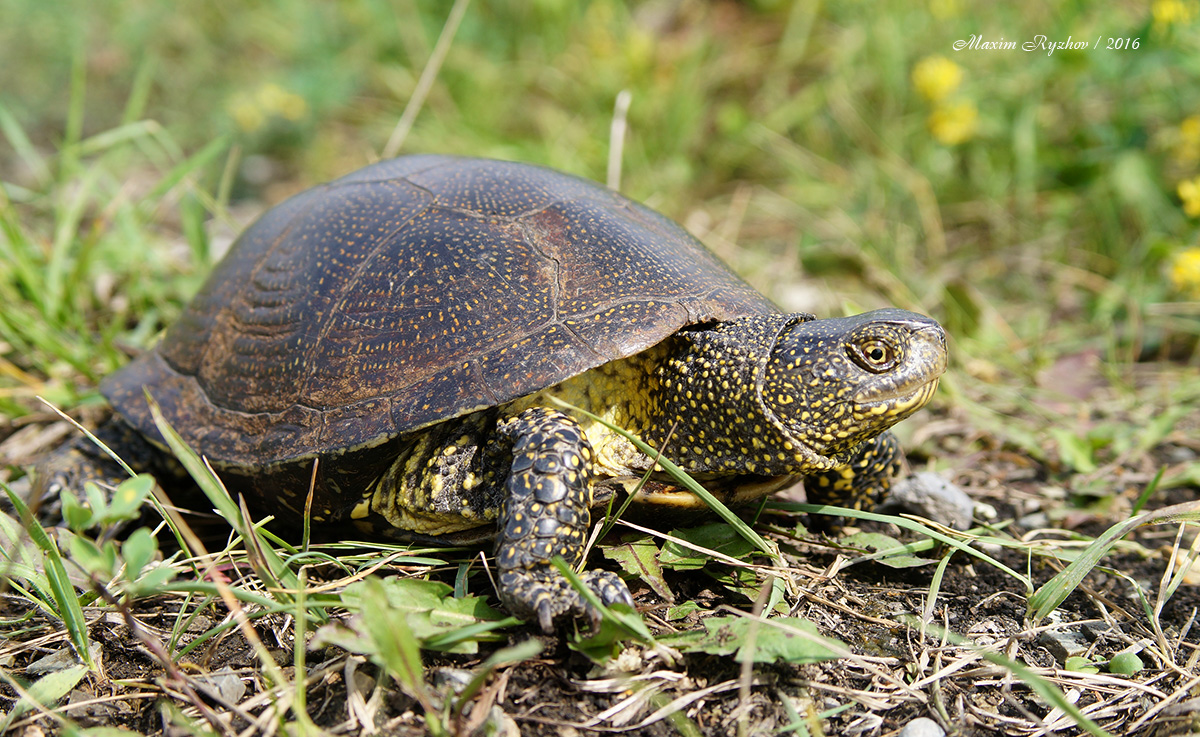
<point x="393" y="643"/>
<point x="97" y="499"/>
<point x="717" y="537"/>
<point x="138" y="550"/>
<point x="151" y="582"/>
<point x="415" y="595"/>
<point x="1076" y="452"/>
<point x="638" y="555"/>
<point x="683" y="610"/>
<point x="46" y="691"/>
<point x="78" y="516"/>
<point x="784" y="639"/>
<point x="1081" y="664"/>
<point x="879" y="542"/>
<point x="748" y="583"/>
<point x="96" y="560"/>
<point x="433" y="615"/>
<point x="1125" y="664"/>
<point x="126" y="502"/>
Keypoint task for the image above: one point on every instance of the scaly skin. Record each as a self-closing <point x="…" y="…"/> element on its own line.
<point x="862" y="483"/>
<point x="546" y="513"/>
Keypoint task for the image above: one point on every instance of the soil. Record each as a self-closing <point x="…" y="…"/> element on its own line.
<point x="897" y="673"/>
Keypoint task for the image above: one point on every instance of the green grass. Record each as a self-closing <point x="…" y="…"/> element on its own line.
<point x="790" y="137"/>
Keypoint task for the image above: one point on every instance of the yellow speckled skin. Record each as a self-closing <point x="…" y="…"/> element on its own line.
<point x="404" y="328"/>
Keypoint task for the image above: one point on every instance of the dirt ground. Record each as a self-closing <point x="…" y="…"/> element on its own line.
<point x="895" y="675"/>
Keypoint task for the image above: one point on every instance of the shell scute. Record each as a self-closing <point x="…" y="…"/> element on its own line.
<point x="411" y="292"/>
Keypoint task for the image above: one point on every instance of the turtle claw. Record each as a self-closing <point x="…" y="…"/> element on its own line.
<point x="548" y="597"/>
<point x="545" y="515"/>
<point x="610" y="589"/>
<point x="862" y="483"/>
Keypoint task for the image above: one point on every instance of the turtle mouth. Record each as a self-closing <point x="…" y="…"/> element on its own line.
<point x="897" y="398"/>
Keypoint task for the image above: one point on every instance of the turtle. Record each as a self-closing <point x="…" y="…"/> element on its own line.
<point x="433" y="348"/>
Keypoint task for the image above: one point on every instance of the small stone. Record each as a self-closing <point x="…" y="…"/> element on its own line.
<point x="223" y="683"/>
<point x="1034" y="521"/>
<point x="455" y="679"/>
<point x="60" y="659"/>
<point x="922" y="727"/>
<point x="1063" y="644"/>
<point x="932" y="497"/>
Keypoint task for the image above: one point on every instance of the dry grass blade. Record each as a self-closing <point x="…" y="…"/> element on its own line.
<point x="425" y="82"/>
<point x="1030" y="677"/>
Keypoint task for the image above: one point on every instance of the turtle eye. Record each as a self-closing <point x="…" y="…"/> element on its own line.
<point x="873" y="354"/>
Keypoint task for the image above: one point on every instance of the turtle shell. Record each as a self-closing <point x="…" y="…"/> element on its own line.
<point x="411" y="292"/>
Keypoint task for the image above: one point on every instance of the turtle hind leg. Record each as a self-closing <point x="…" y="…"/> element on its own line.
<point x="79" y="460"/>
<point x="862" y="483"/>
<point x="546" y="513"/>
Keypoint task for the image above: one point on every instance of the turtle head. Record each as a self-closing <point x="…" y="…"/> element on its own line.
<point x="831" y="384"/>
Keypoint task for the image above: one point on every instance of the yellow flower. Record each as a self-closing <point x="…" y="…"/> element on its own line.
<point x="1188" y="144"/>
<point x="252" y="112"/>
<point x="935" y="77"/>
<point x="954" y="123"/>
<point x="1189" y="191"/>
<point x="246" y="114"/>
<point x="1168" y="12"/>
<point x="275" y="99"/>
<point x="1185" y="271"/>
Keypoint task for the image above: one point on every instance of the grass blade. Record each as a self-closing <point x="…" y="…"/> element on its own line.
<point x="67" y="601"/>
<point x="690" y="484"/>
<point x="273" y="570"/>
<point x="1052" y="593"/>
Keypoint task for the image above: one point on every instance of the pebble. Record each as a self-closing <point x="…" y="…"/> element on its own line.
<point x="929" y="495"/>
<point x="922" y="727"/>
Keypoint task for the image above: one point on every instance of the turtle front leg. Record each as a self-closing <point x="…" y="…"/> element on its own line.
<point x="862" y="483"/>
<point x="546" y="512"/>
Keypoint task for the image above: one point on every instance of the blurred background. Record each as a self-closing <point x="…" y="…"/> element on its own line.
<point x="1042" y="203"/>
